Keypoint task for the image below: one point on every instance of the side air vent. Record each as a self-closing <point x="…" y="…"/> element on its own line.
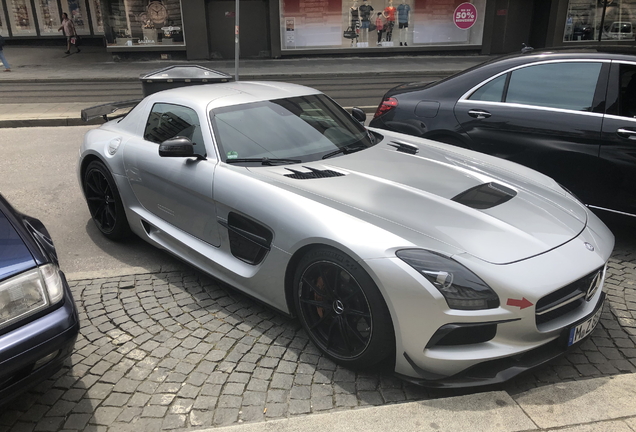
<point x="312" y="174"/>
<point x="249" y="240"/>
<point x="485" y="196"/>
<point x="404" y="147"/>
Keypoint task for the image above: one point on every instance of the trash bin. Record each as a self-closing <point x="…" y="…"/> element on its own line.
<point x="180" y="76"/>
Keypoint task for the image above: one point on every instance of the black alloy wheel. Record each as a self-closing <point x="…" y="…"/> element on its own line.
<point x="342" y="309"/>
<point x="104" y="202"/>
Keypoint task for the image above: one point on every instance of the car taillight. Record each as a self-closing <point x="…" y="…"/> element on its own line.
<point x="387" y="105"/>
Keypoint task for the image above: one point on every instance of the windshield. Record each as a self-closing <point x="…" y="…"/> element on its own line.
<point x="302" y="128"/>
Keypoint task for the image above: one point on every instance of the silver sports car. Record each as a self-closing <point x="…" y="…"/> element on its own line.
<point x="456" y="267"/>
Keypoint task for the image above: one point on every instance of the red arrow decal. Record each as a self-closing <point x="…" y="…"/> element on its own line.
<point x="521" y="304"/>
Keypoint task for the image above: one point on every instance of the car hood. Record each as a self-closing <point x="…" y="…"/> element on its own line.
<point x="14" y="254"/>
<point x="413" y="193"/>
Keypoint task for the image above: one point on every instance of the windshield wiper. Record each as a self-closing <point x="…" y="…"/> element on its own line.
<point x="264" y="161"/>
<point x="345" y="150"/>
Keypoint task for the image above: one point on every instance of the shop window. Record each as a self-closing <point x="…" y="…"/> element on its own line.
<point x="568" y="85"/>
<point x="97" y="16"/>
<point x="604" y="20"/>
<point x="141" y="23"/>
<point x="48" y="15"/>
<point x="76" y="10"/>
<point x="314" y="24"/>
<point x="22" y="17"/>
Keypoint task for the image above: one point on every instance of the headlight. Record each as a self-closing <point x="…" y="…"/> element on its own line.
<point x="461" y="288"/>
<point x="29" y="292"/>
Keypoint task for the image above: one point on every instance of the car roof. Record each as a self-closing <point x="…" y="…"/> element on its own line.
<point x="231" y="93"/>
<point x="609" y="52"/>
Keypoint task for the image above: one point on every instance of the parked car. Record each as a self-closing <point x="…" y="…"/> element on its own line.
<point x="568" y="114"/>
<point x="458" y="268"/>
<point x="620" y="30"/>
<point x="38" y="318"/>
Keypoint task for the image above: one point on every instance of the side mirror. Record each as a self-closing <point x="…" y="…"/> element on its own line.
<point x="177" y="147"/>
<point x="358" y="114"/>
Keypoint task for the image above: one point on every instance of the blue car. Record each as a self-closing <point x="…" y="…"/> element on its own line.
<point x="38" y="318"/>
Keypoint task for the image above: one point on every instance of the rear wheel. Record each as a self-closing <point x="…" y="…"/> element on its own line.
<point x="342" y="309"/>
<point x="104" y="202"/>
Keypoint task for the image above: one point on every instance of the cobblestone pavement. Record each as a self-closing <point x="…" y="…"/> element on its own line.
<point x="177" y="350"/>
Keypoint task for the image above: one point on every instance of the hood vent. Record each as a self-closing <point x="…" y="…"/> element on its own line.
<point x="404" y="147"/>
<point x="312" y="174"/>
<point x="485" y="196"/>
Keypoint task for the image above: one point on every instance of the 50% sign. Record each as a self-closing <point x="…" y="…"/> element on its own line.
<point x="465" y="16"/>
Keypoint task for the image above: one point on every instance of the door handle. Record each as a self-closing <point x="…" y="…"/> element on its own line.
<point x="479" y="114"/>
<point x="626" y="133"/>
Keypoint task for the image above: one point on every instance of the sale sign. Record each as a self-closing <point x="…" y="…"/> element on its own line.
<point x="465" y="16"/>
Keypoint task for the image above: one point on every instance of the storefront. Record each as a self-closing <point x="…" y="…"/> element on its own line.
<point x="284" y="28"/>
<point x="143" y="24"/>
<point x="42" y="18"/>
<point x="599" y="21"/>
<point x="388" y="24"/>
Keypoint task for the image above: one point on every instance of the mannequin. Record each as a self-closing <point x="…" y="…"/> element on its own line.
<point x="354" y="20"/>
<point x="365" y="16"/>
<point x="403" y="12"/>
<point x="389" y="14"/>
<point x="379" y="24"/>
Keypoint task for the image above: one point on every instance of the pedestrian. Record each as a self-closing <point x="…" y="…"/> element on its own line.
<point x="7" y="68"/>
<point x="69" y="31"/>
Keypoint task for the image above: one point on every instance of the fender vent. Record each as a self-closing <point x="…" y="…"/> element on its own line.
<point x="249" y="240"/>
<point x="312" y="174"/>
<point x="485" y="196"/>
<point x="404" y="147"/>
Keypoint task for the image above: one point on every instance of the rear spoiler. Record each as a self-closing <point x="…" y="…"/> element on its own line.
<point x="105" y="109"/>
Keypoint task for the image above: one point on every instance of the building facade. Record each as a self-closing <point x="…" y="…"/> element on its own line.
<point x="205" y="29"/>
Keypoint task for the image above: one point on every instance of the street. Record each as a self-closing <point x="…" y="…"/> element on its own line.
<point x="348" y="91"/>
<point x="37" y="174"/>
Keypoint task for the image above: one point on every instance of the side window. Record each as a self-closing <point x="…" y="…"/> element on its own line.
<point x="168" y="121"/>
<point x="568" y="85"/>
<point x="492" y="91"/>
<point x="627" y="96"/>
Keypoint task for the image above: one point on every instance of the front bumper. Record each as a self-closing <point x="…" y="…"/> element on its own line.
<point x="519" y="342"/>
<point x="500" y="370"/>
<point x="33" y="352"/>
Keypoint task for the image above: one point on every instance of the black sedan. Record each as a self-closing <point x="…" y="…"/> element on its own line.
<point x="569" y="114"/>
<point x="38" y="318"/>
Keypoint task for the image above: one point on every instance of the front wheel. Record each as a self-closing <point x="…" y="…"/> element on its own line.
<point x="342" y="309"/>
<point x="104" y="202"/>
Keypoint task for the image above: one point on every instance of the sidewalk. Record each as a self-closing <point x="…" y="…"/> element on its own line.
<point x="93" y="64"/>
<point x="601" y="404"/>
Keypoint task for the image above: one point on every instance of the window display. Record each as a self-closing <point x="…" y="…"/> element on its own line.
<point x="143" y="22"/>
<point x="96" y="16"/>
<point x="22" y="15"/>
<point x="379" y="23"/>
<point x="48" y="17"/>
<point x="76" y="10"/>
<point x="602" y="20"/>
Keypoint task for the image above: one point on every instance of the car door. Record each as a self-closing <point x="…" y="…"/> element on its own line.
<point x="618" y="148"/>
<point x="177" y="190"/>
<point x="546" y="116"/>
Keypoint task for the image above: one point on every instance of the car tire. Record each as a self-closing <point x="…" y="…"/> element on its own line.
<point x="104" y="202"/>
<point x="342" y="309"/>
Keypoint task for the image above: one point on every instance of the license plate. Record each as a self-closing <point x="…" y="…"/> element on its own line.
<point x="585" y="328"/>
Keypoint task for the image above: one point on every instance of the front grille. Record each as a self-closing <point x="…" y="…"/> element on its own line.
<point x="566" y="299"/>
